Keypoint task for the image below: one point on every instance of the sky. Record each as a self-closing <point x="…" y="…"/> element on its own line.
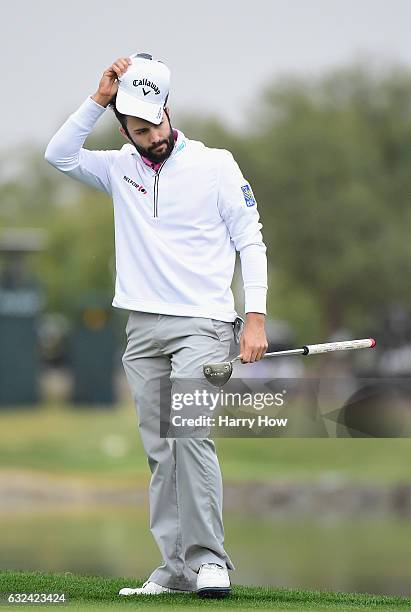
<point x="222" y="53"/>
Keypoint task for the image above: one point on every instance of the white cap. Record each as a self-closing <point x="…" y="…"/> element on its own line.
<point x="143" y="88"/>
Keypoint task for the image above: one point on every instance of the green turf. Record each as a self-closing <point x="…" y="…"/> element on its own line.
<point x="92" y="592"/>
<point x="62" y="440"/>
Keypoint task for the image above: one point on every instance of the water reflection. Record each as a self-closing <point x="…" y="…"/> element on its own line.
<point x="368" y="555"/>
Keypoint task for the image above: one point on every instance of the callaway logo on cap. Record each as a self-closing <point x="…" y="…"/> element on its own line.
<point x="143" y="88"/>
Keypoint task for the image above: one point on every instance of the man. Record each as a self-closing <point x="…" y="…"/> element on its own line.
<point x="181" y="210"/>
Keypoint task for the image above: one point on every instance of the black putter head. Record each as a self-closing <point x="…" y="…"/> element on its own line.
<point x="218" y="373"/>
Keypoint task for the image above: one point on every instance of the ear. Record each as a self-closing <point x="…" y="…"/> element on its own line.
<point x="167" y="109"/>
<point x="123" y="133"/>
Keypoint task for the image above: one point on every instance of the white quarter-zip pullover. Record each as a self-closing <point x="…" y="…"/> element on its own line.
<point x="177" y="229"/>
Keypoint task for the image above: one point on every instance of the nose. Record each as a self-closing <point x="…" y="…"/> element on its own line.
<point x="156" y="137"/>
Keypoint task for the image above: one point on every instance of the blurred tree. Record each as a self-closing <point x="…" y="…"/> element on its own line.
<point x="30" y="196"/>
<point x="80" y="254"/>
<point x="330" y="163"/>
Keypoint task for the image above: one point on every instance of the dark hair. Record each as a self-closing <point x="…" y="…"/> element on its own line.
<point x="122" y="118"/>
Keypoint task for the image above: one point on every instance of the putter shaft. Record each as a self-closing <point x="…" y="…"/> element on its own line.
<point x="219" y="373"/>
<point x="328" y="347"/>
<point x="299" y="351"/>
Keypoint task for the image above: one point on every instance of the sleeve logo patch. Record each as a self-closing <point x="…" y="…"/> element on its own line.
<point x="248" y="195"/>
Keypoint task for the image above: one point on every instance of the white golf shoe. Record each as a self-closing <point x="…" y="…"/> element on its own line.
<point x="213" y="581"/>
<point x="149" y="588"/>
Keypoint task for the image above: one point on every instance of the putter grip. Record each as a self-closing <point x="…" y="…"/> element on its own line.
<point x="313" y="349"/>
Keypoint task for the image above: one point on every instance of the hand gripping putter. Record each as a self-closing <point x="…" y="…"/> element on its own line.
<point x="219" y="373"/>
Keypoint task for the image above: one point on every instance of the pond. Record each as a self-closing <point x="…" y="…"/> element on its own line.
<point x="346" y="554"/>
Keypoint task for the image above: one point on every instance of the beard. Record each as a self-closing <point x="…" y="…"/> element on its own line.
<point x="151" y="152"/>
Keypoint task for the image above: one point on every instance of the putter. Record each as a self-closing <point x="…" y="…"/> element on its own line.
<point x="219" y="373"/>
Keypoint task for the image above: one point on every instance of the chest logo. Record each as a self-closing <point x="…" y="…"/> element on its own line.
<point x="136" y="185"/>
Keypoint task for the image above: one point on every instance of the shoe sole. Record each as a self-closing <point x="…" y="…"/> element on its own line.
<point x="215" y="593"/>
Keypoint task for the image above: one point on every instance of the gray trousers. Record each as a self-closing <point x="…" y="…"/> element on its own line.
<point x="186" y="490"/>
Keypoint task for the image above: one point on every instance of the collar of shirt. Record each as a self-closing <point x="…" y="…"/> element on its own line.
<point x="156" y="165"/>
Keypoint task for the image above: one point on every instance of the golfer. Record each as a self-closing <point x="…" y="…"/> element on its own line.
<point x="181" y="211"/>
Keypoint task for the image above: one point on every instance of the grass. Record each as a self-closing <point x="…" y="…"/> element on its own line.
<point x="104" y="445"/>
<point x="101" y="593"/>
